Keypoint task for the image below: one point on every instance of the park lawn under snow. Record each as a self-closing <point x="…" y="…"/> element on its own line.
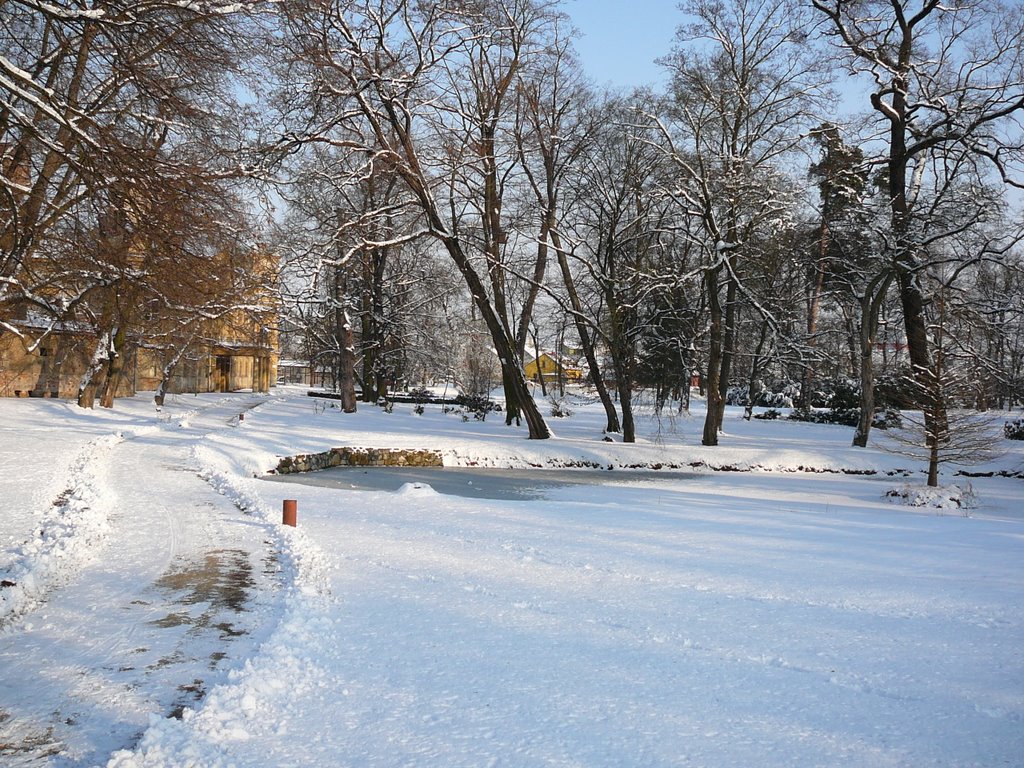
<point x="773" y="617"/>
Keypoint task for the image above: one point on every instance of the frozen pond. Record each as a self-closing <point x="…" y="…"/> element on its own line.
<point x="476" y="482"/>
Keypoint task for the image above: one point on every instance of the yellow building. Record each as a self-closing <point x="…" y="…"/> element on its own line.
<point x="235" y="351"/>
<point x="55" y="366"/>
<point x="52" y="367"/>
<point x="546" y="367"/>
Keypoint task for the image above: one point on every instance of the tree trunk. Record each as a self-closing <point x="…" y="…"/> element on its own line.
<point x="92" y="377"/>
<point x="905" y="257"/>
<point x="933" y="462"/>
<point x="626" y="404"/>
<point x="936" y="435"/>
<point x="684" y="403"/>
<point x="728" y="347"/>
<point x="346" y="342"/>
<point x="814" y="310"/>
<point x="370" y="350"/>
<point x="755" y="369"/>
<point x="513" y="397"/>
<point x="870" y="310"/>
<point x="539" y="268"/>
<point x="586" y="340"/>
<point x="714" y="396"/>
<point x="867" y="384"/>
<point x="115" y="368"/>
<point x="517" y="391"/>
<point x="852" y="345"/>
<point x="536" y="357"/>
<point x="165" y="376"/>
<point x="347" y="384"/>
<point x="372" y="315"/>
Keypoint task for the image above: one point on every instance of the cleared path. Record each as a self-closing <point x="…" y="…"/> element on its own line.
<point x="176" y="596"/>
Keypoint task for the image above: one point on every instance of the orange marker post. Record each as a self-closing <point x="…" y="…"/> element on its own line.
<point x="290" y="514"/>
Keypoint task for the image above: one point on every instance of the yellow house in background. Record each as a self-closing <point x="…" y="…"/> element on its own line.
<point x="550" y="369"/>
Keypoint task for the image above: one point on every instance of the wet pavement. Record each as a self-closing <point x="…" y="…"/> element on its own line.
<point x="183" y="628"/>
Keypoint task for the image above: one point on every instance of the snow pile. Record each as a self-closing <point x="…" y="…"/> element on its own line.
<point x="254" y="705"/>
<point x="952" y="497"/>
<point x="67" y="536"/>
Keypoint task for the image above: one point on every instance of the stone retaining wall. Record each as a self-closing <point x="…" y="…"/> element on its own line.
<point x="359" y="457"/>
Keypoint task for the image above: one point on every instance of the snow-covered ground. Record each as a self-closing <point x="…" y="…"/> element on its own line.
<point x="774" y="617"/>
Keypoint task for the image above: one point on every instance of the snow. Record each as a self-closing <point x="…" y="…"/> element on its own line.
<point x="774" y="617"/>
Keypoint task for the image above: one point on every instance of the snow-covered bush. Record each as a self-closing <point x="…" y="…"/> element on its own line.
<point x="475" y="402"/>
<point x="963" y="499"/>
<point x="895" y="390"/>
<point x="769" y="394"/>
<point x="838" y="402"/>
<point x="420" y="394"/>
<point x="768" y="399"/>
<point x="476" y="405"/>
<point x="845" y="416"/>
<point x="887" y="418"/>
<point x="844" y="394"/>
<point x="1014" y="429"/>
<point x="736" y="396"/>
<point x="560" y="408"/>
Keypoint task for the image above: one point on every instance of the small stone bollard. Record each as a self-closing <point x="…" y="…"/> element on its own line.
<point x="290" y="513"/>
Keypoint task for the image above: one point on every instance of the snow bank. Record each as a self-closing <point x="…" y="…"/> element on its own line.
<point x="67" y="536"/>
<point x="947" y="497"/>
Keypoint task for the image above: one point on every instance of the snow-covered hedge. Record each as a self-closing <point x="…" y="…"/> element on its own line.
<point x="1014" y="429"/>
<point x="771" y="394"/>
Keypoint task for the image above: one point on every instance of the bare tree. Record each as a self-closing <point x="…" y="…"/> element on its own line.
<point x="745" y="85"/>
<point x="102" y="110"/>
<point x="400" y="70"/>
<point x="621" y="227"/>
<point x="558" y="125"/>
<point x="85" y="95"/>
<point x="963" y="436"/>
<point x="948" y="90"/>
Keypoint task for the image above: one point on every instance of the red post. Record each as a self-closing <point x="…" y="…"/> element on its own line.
<point x="290" y="512"/>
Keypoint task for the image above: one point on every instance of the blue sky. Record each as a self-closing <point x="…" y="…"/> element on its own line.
<point x="621" y="39"/>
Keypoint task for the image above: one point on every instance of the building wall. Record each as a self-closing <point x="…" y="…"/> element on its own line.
<point x="232" y="352"/>
<point x="55" y="369"/>
<point x="548" y="368"/>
